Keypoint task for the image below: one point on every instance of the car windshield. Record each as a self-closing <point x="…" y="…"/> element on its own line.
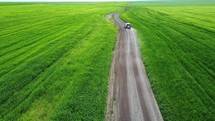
<point x="128" y="24"/>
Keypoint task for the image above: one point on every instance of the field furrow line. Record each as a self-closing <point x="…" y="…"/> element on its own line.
<point x="20" y="36"/>
<point x="55" y="64"/>
<point x="165" y="38"/>
<point x="23" y="28"/>
<point x="56" y="61"/>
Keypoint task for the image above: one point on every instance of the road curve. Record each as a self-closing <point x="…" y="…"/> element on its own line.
<point x="130" y="96"/>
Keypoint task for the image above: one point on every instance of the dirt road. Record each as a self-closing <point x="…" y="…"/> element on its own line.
<point x="130" y="95"/>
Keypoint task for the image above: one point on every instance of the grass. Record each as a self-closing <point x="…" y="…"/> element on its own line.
<point x="55" y="60"/>
<point x="178" y="44"/>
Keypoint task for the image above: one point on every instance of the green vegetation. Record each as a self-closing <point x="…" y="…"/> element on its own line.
<point x="178" y="48"/>
<point x="55" y="61"/>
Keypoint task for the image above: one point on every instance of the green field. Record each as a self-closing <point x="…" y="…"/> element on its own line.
<point x="55" y="60"/>
<point x="178" y="46"/>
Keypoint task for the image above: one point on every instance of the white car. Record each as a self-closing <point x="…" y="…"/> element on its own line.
<point x="127" y="26"/>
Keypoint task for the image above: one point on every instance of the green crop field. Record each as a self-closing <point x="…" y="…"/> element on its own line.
<point x="55" y="60"/>
<point x="178" y="46"/>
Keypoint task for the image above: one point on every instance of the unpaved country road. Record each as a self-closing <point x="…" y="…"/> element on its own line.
<point x="130" y="96"/>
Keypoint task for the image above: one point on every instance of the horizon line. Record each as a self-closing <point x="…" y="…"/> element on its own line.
<point x="73" y="0"/>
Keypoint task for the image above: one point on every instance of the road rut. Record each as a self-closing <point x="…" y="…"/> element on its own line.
<point x="130" y="96"/>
